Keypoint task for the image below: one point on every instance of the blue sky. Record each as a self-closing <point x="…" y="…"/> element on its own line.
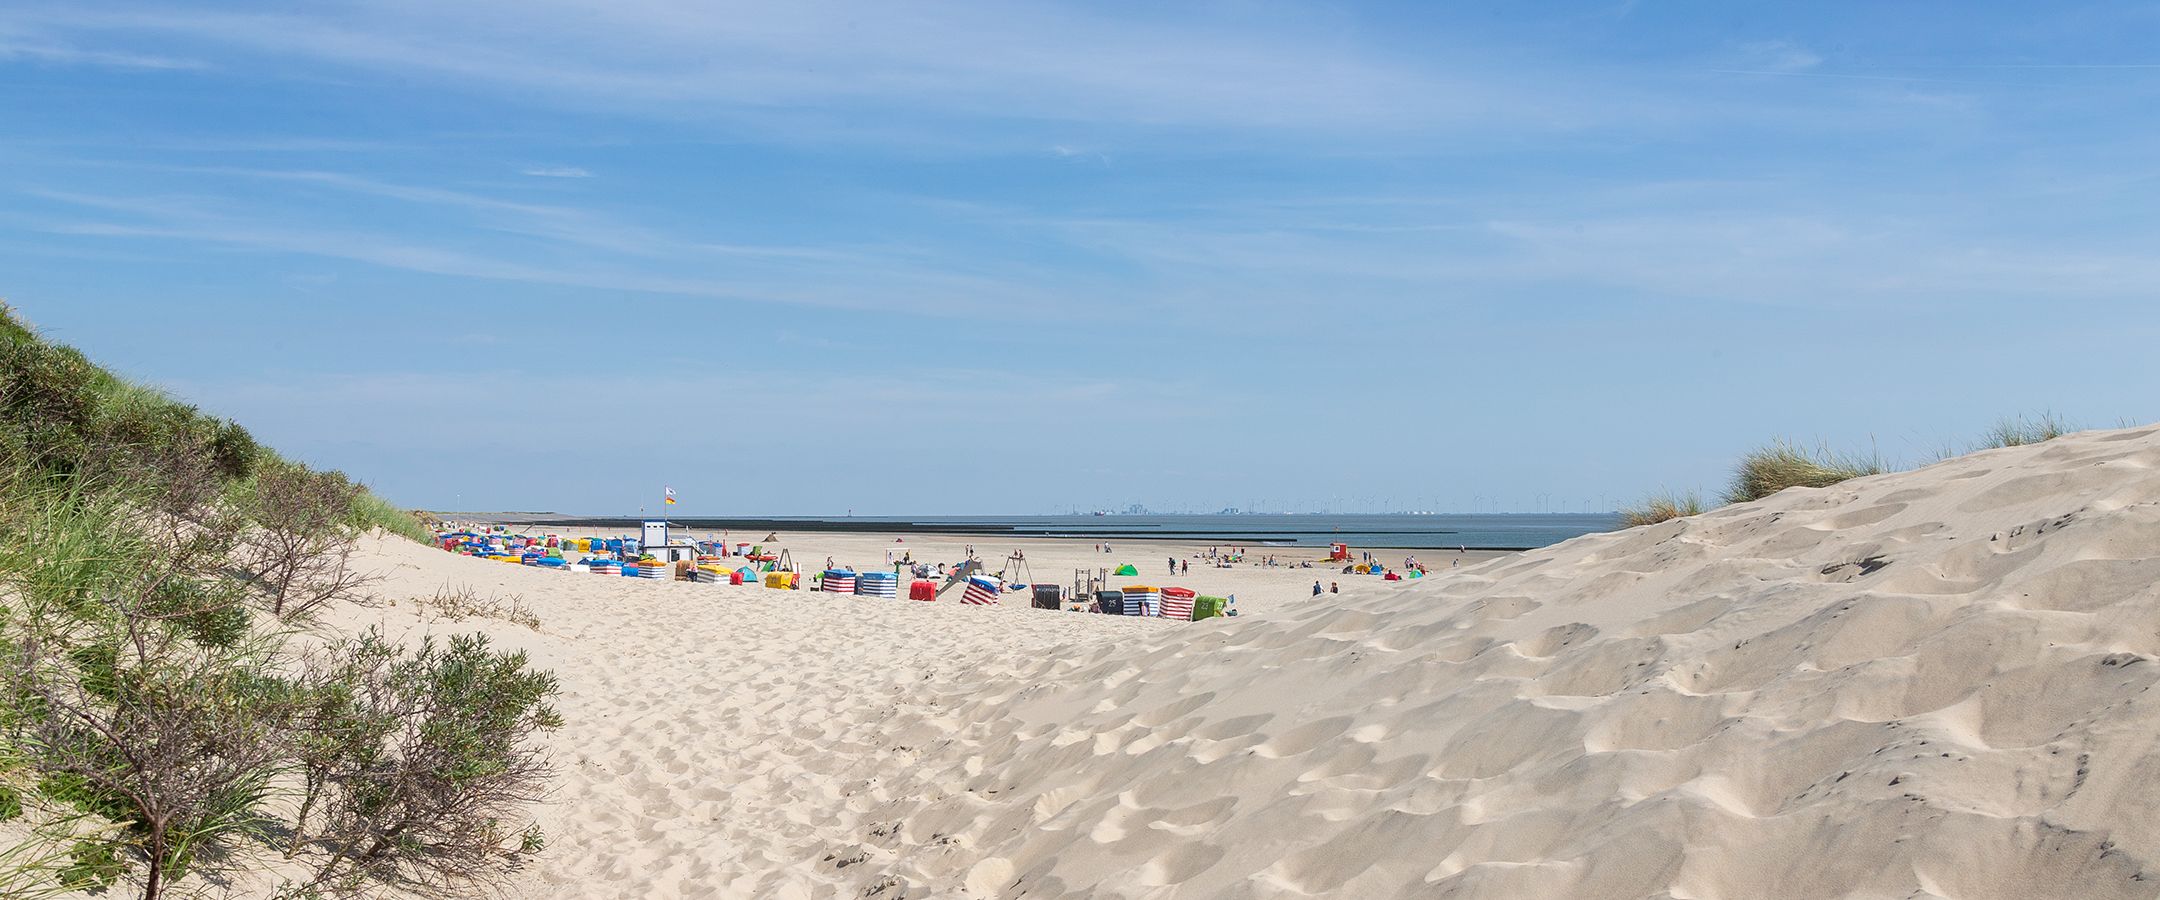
<point x="960" y="257"/>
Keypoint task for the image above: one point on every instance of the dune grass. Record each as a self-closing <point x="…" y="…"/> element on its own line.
<point x="372" y="511"/>
<point x="1661" y="508"/>
<point x="1783" y="464"/>
<point x="2020" y="431"/>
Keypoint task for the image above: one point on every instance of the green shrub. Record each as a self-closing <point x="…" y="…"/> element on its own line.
<point x="300" y="542"/>
<point x="1782" y="464"/>
<point x="209" y="612"/>
<point x="1661" y="508"/>
<point x="417" y="755"/>
<point x="92" y="866"/>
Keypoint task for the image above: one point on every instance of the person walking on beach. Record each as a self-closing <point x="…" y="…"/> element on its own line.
<point x="1173" y="565"/>
<point x="1185" y="567"/>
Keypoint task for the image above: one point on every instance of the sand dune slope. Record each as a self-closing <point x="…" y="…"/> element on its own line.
<point x="1928" y="684"/>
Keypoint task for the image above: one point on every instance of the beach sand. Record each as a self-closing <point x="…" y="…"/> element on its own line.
<point x="1926" y="684"/>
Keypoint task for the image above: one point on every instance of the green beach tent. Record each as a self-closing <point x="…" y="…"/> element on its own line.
<point x="1126" y="570"/>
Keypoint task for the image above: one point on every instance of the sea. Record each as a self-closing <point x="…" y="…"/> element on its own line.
<point x="1477" y="531"/>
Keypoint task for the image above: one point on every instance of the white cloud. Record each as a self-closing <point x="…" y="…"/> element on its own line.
<point x="556" y="172"/>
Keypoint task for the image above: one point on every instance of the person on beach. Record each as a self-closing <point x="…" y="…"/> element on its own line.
<point x="1316" y="589"/>
<point x="1334" y="587"/>
<point x="1173" y="565"/>
<point x="1185" y="567"/>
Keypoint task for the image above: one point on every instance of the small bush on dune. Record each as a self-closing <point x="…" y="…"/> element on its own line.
<point x="1783" y="464"/>
<point x="300" y="546"/>
<point x="415" y="757"/>
<point x="1661" y="508"/>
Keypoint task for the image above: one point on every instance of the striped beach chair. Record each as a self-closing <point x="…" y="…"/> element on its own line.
<point x="982" y="590"/>
<point x="1177" y="603"/>
<point x="1141" y="600"/>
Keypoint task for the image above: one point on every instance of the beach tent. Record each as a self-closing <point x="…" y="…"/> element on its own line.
<point x="1141" y="600"/>
<point x="1110" y="602"/>
<point x="1126" y="570"/>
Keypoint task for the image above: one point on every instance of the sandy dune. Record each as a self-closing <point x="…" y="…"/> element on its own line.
<point x="1930" y="684"/>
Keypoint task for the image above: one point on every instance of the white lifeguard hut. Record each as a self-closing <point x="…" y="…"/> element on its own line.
<point x="654" y="542"/>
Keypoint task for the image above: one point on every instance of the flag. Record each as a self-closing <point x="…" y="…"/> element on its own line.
<point x="670" y="495"/>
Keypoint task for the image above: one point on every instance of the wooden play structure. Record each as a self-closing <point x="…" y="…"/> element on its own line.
<point x="1088" y="581"/>
<point x="1016" y="569"/>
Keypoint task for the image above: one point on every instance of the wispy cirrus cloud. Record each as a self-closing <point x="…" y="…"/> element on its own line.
<point x="1775" y="56"/>
<point x="1044" y="62"/>
<point x="51" y="52"/>
<point x="555" y="172"/>
<point x="882" y="279"/>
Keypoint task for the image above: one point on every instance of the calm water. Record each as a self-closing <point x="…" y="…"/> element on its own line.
<point x="1480" y="531"/>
